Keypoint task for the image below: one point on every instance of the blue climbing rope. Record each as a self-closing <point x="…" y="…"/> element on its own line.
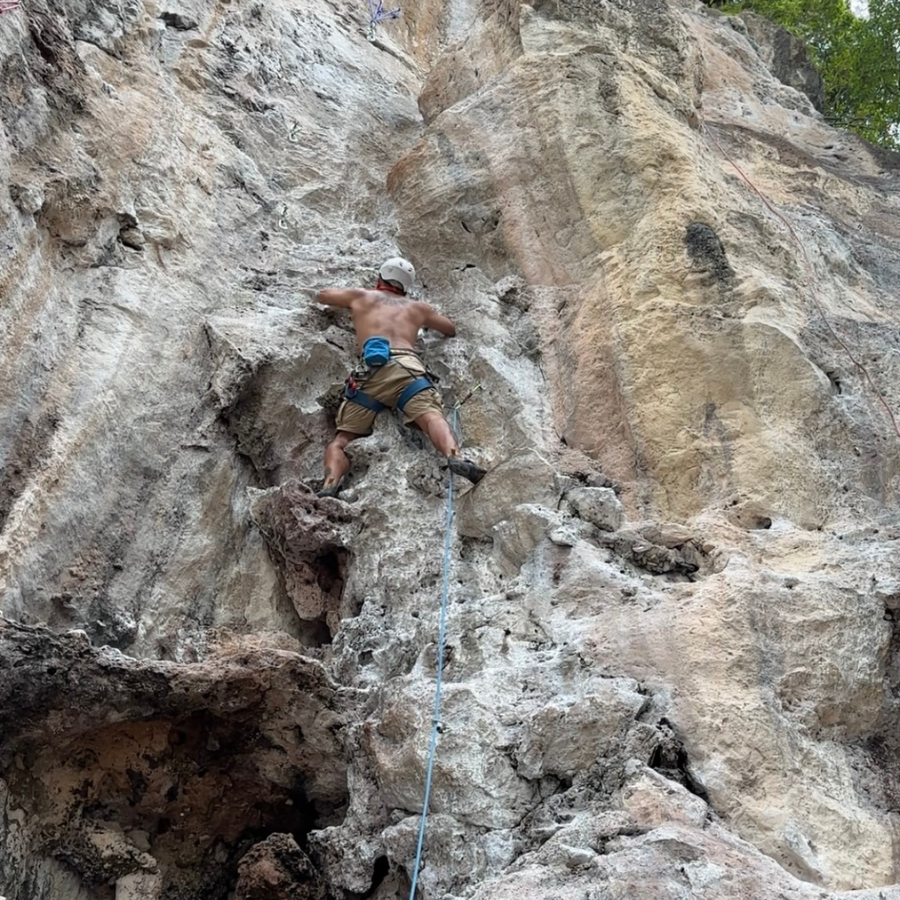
<point x="377" y="13"/>
<point x="442" y="636"/>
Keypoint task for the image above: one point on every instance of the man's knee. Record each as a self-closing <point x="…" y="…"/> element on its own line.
<point x="341" y="439"/>
<point x="429" y="418"/>
<point x="439" y="432"/>
<point x="434" y="425"/>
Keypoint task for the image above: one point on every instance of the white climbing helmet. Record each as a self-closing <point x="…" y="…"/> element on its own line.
<point x="399" y="270"/>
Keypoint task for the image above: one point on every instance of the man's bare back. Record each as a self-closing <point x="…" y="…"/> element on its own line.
<point x="387" y="315"/>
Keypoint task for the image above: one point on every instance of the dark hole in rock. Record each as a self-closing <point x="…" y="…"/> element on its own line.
<point x="669" y="758"/>
<point x="470" y="548"/>
<point x="328" y="568"/>
<point x="379" y="873"/>
<point x="327" y="571"/>
<point x="46" y="50"/>
<point x="178" y="21"/>
<point x="316" y="634"/>
<point x="750" y="517"/>
<point x="198" y="788"/>
<point x="564" y="784"/>
<point x="707" y="253"/>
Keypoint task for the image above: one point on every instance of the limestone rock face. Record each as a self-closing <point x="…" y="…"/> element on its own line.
<point x="671" y="662"/>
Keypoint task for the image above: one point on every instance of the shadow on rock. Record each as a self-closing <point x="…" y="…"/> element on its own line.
<point x="309" y="539"/>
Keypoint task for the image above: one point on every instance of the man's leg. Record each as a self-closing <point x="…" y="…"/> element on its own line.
<point x="441" y="436"/>
<point x="352" y="421"/>
<point x="439" y="433"/>
<point x="337" y="464"/>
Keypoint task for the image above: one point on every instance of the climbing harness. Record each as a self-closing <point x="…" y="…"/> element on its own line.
<point x="377" y="13"/>
<point x="376" y="353"/>
<point x="420" y="384"/>
<point x="442" y="639"/>
<point x="810" y="280"/>
<point x="353" y="393"/>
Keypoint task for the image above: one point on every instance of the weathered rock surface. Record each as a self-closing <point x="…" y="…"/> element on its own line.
<point x="122" y="768"/>
<point x="277" y="869"/>
<point x="672" y="665"/>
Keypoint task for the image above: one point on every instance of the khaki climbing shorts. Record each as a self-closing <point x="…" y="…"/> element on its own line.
<point x="386" y="384"/>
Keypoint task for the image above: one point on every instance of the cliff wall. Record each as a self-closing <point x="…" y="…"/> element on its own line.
<point x="672" y="662"/>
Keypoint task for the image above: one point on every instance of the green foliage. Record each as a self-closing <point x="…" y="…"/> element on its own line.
<point x="859" y="59"/>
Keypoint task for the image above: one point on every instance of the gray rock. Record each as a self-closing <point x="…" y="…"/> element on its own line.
<point x="597" y="505"/>
<point x="528" y="479"/>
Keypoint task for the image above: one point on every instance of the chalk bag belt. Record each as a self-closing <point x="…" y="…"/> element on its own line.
<point x="355" y="395"/>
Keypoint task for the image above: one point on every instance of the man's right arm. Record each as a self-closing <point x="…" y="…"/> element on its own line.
<point x="438" y="322"/>
<point x="343" y="299"/>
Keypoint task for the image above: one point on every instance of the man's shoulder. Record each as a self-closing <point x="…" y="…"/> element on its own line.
<point x="416" y="304"/>
<point x="366" y="297"/>
<point x="398" y="301"/>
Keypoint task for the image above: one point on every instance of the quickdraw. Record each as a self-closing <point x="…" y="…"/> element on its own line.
<point x="377" y="13"/>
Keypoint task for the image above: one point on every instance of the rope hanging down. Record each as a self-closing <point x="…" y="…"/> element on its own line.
<point x="8" y="6"/>
<point x="377" y="13"/>
<point x="442" y="637"/>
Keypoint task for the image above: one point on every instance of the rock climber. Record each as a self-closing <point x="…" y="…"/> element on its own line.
<point x="392" y="374"/>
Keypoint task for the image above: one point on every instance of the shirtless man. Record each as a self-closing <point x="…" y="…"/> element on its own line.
<point x="387" y="325"/>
